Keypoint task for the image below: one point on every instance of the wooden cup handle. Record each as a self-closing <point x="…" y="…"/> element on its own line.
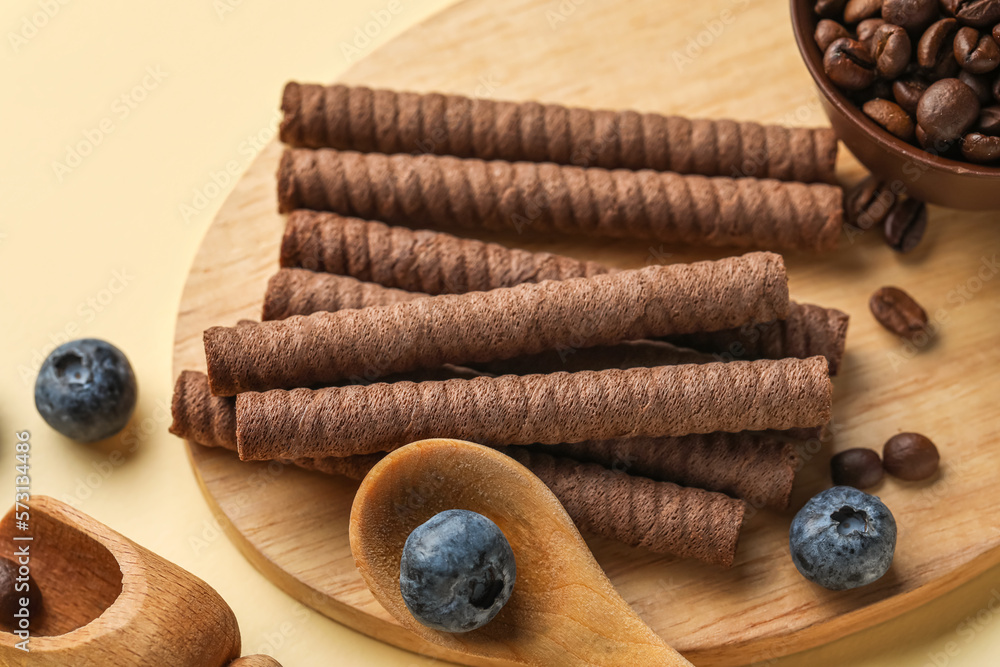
<point x="255" y="661"/>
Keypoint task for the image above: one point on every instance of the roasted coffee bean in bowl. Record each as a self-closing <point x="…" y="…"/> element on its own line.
<point x="912" y="88"/>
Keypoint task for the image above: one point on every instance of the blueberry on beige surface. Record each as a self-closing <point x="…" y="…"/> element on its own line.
<point x="86" y="390"/>
<point x="457" y="571"/>
<point x="843" y="538"/>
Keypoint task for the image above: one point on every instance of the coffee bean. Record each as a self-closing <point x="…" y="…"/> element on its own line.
<point x="858" y="10"/>
<point x="866" y="30"/>
<point x="980" y="84"/>
<point x="858" y="467"/>
<point x="910" y="456"/>
<point x="981" y="148"/>
<point x="907" y="93"/>
<point x="975" y="13"/>
<point x="905" y="224"/>
<point x="829" y="8"/>
<point x="827" y="32"/>
<point x="996" y="33"/>
<point x="890" y="47"/>
<point x="913" y="15"/>
<point x="891" y="117"/>
<point x="946" y="110"/>
<point x="848" y="64"/>
<point x="936" y="49"/>
<point x="989" y="121"/>
<point x="896" y="310"/>
<point x="10" y="600"/>
<point x="976" y="53"/>
<point x="867" y="204"/>
<point x="996" y="88"/>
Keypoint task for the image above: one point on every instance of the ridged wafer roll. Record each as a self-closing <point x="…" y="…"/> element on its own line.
<point x="386" y="121"/>
<point x="416" y="260"/>
<point x="434" y="191"/>
<point x="545" y="409"/>
<point x="807" y="330"/>
<point x="201" y="417"/>
<point x="757" y="467"/>
<point x="660" y="516"/>
<point x="629" y="354"/>
<point x="301" y="292"/>
<point x="500" y="324"/>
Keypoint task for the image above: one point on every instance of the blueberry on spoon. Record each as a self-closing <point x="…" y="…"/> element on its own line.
<point x="843" y="538"/>
<point x="86" y="390"/>
<point x="457" y="571"/>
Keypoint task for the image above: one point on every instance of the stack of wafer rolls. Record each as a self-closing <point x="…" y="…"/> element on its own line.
<point x="444" y="191"/>
<point x="386" y="121"/>
<point x="411" y="264"/>
<point x="500" y="324"/>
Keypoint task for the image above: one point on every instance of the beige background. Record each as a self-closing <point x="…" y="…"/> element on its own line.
<point x="124" y="123"/>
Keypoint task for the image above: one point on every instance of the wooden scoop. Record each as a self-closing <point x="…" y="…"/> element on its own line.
<point x="110" y="603"/>
<point x="563" y="611"/>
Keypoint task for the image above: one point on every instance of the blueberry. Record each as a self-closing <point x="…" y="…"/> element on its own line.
<point x="457" y="571"/>
<point x="86" y="390"/>
<point x="843" y="538"/>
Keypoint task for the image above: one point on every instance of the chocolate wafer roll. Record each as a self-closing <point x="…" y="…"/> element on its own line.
<point x="660" y="516"/>
<point x="757" y="467"/>
<point x="807" y="330"/>
<point x="418" y="261"/>
<point x="201" y="417"/>
<point x="545" y="409"/>
<point x="754" y="466"/>
<point x="432" y="191"/>
<point x="385" y="121"/>
<point x="301" y="292"/>
<point x="500" y="324"/>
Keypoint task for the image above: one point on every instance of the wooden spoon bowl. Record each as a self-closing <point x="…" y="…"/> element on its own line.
<point x="108" y="602"/>
<point x="563" y="611"/>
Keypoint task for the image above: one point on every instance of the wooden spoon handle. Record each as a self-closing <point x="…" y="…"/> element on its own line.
<point x="255" y="661"/>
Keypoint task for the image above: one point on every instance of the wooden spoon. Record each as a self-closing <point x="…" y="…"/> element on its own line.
<point x="563" y="611"/>
<point x="110" y="603"/>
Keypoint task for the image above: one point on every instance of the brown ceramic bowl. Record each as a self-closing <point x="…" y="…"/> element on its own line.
<point x="928" y="177"/>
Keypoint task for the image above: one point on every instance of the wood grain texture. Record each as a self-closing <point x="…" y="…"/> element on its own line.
<point x="562" y="611"/>
<point x="293" y="525"/>
<point x="111" y="603"/>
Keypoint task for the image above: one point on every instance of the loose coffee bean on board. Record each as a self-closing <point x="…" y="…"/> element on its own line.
<point x="859" y="467"/>
<point x="868" y="203"/>
<point x="896" y="310"/>
<point x="910" y="456"/>
<point x="905" y="224"/>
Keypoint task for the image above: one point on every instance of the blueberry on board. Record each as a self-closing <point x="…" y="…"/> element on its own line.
<point x="843" y="538"/>
<point x="86" y="390"/>
<point x="457" y="571"/>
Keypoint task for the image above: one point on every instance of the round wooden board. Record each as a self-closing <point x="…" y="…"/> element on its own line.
<point x="715" y="58"/>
